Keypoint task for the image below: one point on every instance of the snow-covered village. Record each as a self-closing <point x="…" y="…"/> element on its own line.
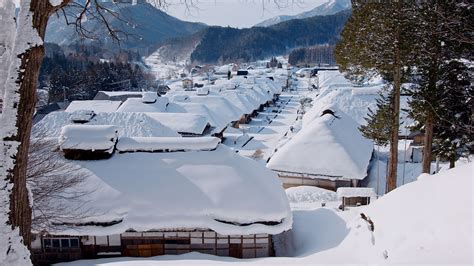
<point x="221" y="132"/>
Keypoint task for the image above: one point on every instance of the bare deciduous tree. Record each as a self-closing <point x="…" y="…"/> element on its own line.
<point x="56" y="185"/>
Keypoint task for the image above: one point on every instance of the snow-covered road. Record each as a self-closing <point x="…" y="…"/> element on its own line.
<point x="267" y="130"/>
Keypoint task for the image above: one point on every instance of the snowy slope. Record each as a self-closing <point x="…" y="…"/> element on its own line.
<point x="329" y="8"/>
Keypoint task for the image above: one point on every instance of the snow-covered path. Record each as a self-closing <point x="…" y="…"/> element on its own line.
<point x="267" y="130"/>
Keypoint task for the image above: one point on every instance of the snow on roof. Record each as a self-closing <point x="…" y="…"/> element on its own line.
<point x="196" y="189"/>
<point x="81" y="116"/>
<point x="137" y="105"/>
<point x="182" y="122"/>
<point x="216" y="120"/>
<point x="97" y="106"/>
<point x="149" y="97"/>
<point x="153" y="144"/>
<point x="349" y="192"/>
<point x="202" y="91"/>
<point x="240" y="101"/>
<point x="129" y="124"/>
<point x="121" y="93"/>
<point x="219" y="105"/>
<point x="354" y="101"/>
<point x="88" y="137"/>
<point x="329" y="147"/>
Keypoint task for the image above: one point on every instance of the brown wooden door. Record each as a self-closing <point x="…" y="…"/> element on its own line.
<point x="235" y="250"/>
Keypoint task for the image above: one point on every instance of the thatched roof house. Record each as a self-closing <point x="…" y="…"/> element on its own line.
<point x="149" y="203"/>
<point x="330" y="152"/>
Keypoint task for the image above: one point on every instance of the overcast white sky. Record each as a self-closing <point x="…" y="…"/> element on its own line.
<point x="238" y="13"/>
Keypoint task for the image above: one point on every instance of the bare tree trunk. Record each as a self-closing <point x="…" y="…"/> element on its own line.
<point x="20" y="209"/>
<point x="428" y="142"/>
<point x="452" y="163"/>
<point x="393" y="162"/>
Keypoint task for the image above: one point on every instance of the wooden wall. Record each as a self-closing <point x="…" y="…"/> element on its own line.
<point x="294" y="181"/>
<point x="147" y="244"/>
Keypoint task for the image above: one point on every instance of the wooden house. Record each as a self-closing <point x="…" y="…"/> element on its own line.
<point x="355" y="196"/>
<point x="329" y="152"/>
<point x="160" y="196"/>
<point x="187" y="83"/>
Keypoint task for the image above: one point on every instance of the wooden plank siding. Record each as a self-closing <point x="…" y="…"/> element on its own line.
<point x="294" y="181"/>
<point x="147" y="244"/>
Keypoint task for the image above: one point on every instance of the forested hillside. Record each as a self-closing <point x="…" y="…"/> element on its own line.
<point x="222" y="45"/>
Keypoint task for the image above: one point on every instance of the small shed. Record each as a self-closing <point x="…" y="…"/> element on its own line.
<point x="88" y="142"/>
<point x="355" y="196"/>
<point x="188" y="83"/>
<point x="242" y="72"/>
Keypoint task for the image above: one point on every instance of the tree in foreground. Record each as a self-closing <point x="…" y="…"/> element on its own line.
<point x="453" y="125"/>
<point x="376" y="39"/>
<point x="442" y="40"/>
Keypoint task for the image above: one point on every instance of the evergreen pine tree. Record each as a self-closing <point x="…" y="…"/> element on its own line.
<point x="378" y="127"/>
<point x="437" y="44"/>
<point x="453" y="130"/>
<point x="377" y="38"/>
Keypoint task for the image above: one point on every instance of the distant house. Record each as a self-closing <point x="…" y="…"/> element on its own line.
<point x="164" y="196"/>
<point x="163" y="89"/>
<point x="355" y="196"/>
<point x="187" y="83"/>
<point x="329" y="152"/>
<point x="415" y="150"/>
<point x="241" y="72"/>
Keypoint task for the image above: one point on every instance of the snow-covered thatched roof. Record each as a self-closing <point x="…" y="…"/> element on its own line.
<point x="153" y="144"/>
<point x="329" y="147"/>
<point x="187" y="123"/>
<point x="88" y="137"/>
<point x="138" y="105"/>
<point x="217" y="190"/>
<point x="97" y="106"/>
<point x="217" y="120"/>
<point x="129" y="124"/>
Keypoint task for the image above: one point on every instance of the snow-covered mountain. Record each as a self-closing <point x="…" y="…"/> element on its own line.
<point x="143" y="26"/>
<point x="328" y="8"/>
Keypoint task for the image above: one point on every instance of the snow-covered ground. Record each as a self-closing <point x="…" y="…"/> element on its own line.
<point x="162" y="69"/>
<point x="268" y="130"/>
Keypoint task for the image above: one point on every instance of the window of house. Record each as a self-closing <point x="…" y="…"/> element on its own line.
<point x="61" y="243"/>
<point x="47" y="243"/>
